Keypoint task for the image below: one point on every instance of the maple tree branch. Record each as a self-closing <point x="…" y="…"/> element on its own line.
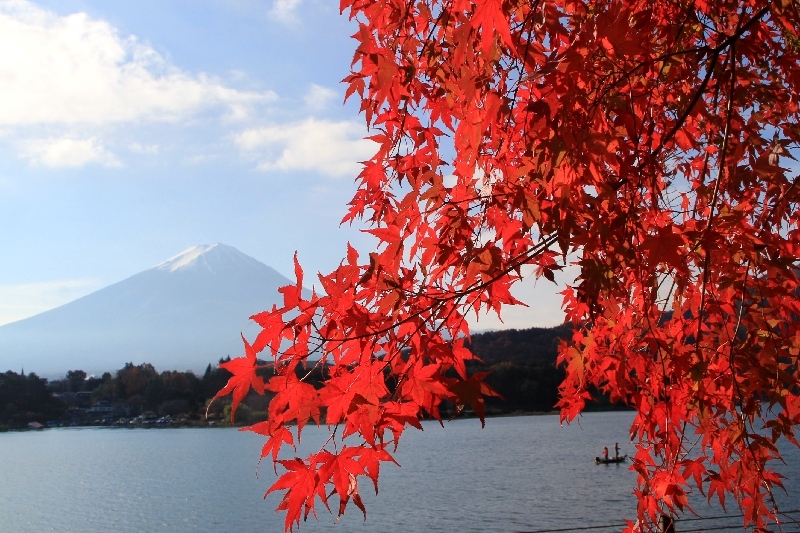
<point x="447" y="296"/>
<point x="428" y="40"/>
<point x="715" y="53"/>
<point x="747" y="429"/>
<point x="720" y="176"/>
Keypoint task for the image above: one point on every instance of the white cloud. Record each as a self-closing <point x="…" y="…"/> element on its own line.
<point x="69" y="82"/>
<point x="143" y="149"/>
<point x="331" y="148"/>
<point x="285" y="11"/>
<point x="318" y="97"/>
<point x="28" y="299"/>
<point x="68" y="70"/>
<point x="200" y="159"/>
<point x="66" y="152"/>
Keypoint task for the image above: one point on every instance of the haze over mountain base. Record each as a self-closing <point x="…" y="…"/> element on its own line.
<point x="179" y="315"/>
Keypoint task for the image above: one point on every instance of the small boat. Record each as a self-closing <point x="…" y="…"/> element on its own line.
<point x="620" y="459"/>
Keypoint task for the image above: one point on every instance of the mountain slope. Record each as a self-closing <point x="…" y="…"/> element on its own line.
<point x="181" y="314"/>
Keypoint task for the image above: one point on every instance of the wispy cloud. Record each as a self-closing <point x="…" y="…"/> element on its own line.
<point x="285" y="11"/>
<point x="66" y="152"/>
<point x="330" y="148"/>
<point x="28" y="299"/>
<point x="137" y="148"/>
<point x="318" y="97"/>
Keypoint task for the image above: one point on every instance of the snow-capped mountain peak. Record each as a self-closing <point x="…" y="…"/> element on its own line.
<point x="214" y="258"/>
<point x="187" y="258"/>
<point x="183" y="313"/>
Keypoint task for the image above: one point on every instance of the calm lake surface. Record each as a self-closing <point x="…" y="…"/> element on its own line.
<point x="517" y="474"/>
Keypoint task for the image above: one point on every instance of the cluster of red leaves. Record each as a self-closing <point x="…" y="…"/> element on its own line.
<point x="646" y="142"/>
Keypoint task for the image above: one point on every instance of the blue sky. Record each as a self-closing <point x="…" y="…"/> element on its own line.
<point x="131" y="130"/>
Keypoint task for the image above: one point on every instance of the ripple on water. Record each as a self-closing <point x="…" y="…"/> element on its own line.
<point x="517" y="474"/>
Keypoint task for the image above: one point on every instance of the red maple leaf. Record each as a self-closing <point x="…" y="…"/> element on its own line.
<point x="489" y="17"/>
<point x="295" y="399"/>
<point x="292" y="294"/>
<point x="244" y="377"/>
<point x="302" y="485"/>
<point x="472" y="391"/>
<point x="277" y="435"/>
<point x="664" y="247"/>
<point x="342" y="470"/>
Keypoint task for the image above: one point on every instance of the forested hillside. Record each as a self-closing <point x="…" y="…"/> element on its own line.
<point x="522" y="366"/>
<point x="520" y="345"/>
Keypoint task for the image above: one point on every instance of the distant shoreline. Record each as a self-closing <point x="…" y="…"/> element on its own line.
<point x="215" y="424"/>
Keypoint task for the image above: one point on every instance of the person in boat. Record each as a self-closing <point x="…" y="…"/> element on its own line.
<point x="605" y="453"/>
<point x="616" y="450"/>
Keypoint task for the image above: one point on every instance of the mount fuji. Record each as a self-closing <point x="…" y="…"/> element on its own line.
<point x="179" y="315"/>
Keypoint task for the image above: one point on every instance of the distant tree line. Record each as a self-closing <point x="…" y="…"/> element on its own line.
<point x="25" y="399"/>
<point x="521" y="364"/>
<point x="131" y="390"/>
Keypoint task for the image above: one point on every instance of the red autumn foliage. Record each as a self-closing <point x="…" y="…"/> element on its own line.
<point x="649" y="143"/>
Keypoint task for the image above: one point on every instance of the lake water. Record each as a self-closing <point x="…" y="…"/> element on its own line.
<point x="517" y="474"/>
